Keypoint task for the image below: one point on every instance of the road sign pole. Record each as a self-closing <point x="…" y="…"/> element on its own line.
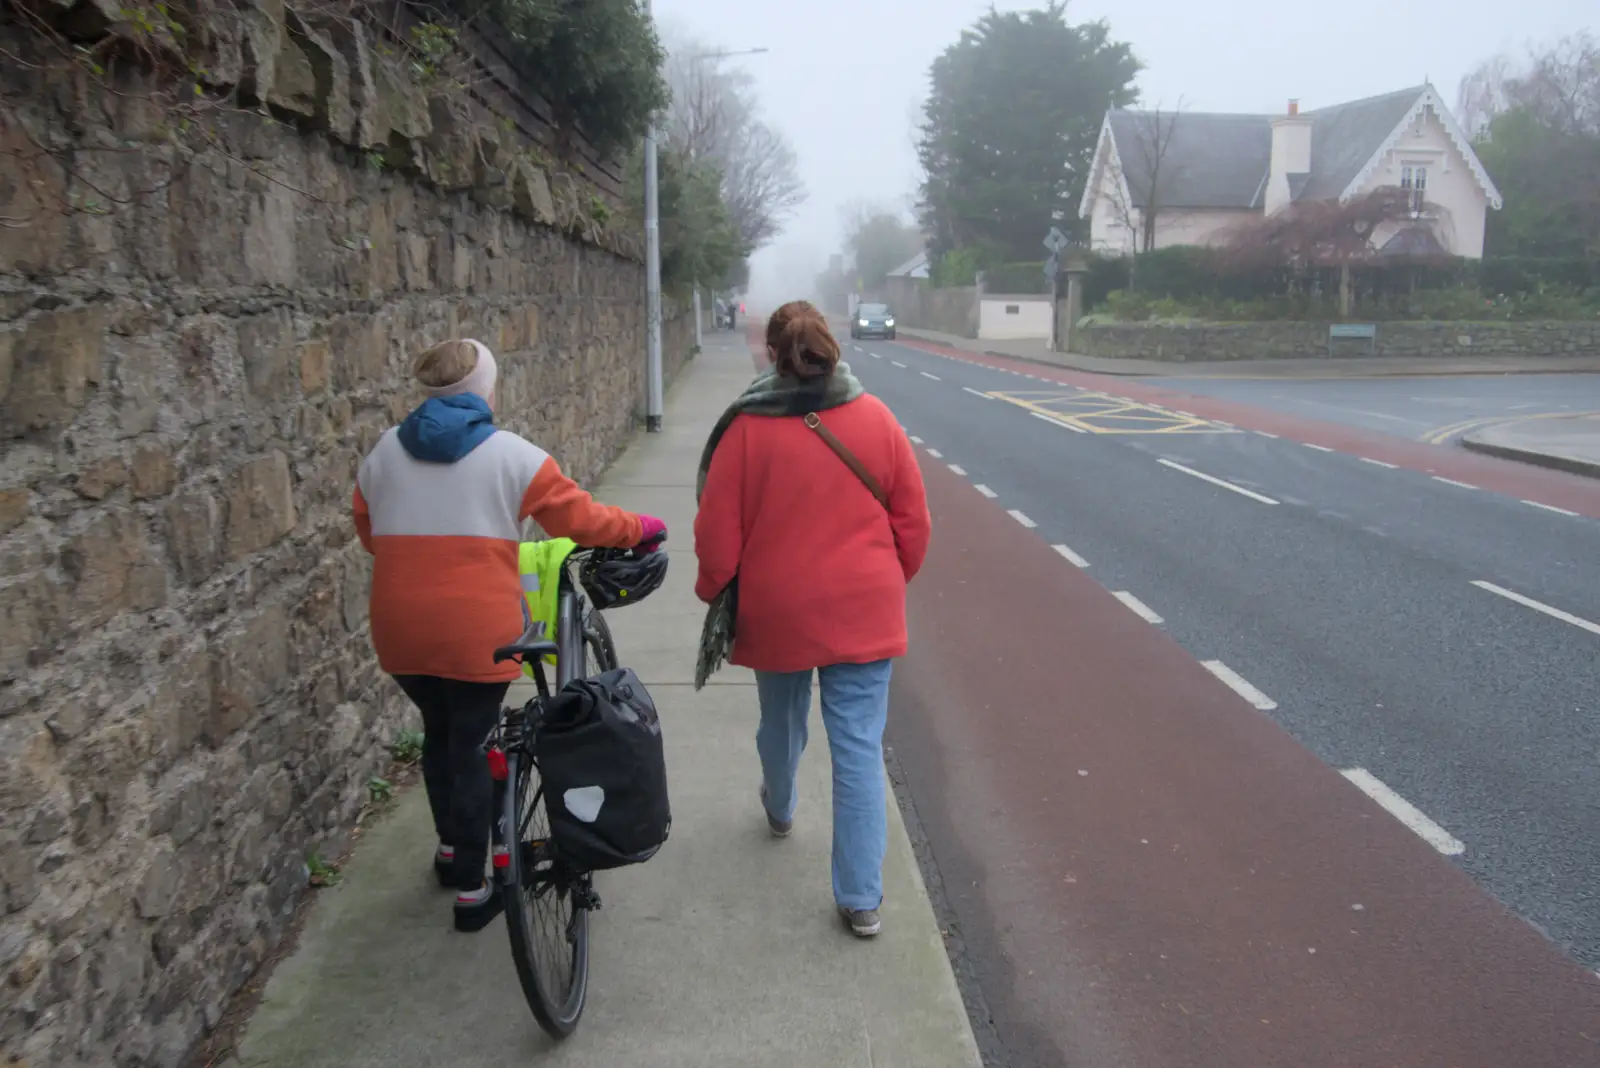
<point x="1052" y="268"/>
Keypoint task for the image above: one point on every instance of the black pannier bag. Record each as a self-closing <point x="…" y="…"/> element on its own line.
<point x="600" y="753"/>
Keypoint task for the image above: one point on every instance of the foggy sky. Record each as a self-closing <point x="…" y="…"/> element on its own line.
<point x="842" y="78"/>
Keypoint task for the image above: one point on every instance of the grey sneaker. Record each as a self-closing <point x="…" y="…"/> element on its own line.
<point x="864" y="923"/>
<point x="779" y="828"/>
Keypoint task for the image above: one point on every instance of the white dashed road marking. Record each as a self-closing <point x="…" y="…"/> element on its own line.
<point x="1252" y="494"/>
<point x="1138" y="607"/>
<point x="925" y="374"/>
<point x="1539" y="606"/>
<point x="897" y="363"/>
<point x="985" y="490"/>
<point x="1264" y="434"/>
<point x="915" y="440"/>
<point x="1024" y="520"/>
<point x="1378" y="463"/>
<point x="936" y="454"/>
<point x="1070" y="556"/>
<point x="1056" y="422"/>
<point x="957" y="469"/>
<point x="1453" y="482"/>
<point x="1550" y="508"/>
<point x="1238" y="685"/>
<point x="976" y="393"/>
<point x="1319" y="448"/>
<point x="1405" y="812"/>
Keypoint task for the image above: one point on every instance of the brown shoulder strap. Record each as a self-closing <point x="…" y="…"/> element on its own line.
<point x="814" y="421"/>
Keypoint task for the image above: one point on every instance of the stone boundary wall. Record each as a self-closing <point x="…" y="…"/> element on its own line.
<point x="919" y="306"/>
<point x="189" y="376"/>
<point x="1198" y="342"/>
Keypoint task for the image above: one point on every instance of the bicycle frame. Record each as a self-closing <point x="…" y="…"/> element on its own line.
<point x="517" y="726"/>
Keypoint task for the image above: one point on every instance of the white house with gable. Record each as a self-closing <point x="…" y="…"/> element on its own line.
<point x="1206" y="173"/>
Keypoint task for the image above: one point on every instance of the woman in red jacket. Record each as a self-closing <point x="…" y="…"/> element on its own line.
<point x="812" y="520"/>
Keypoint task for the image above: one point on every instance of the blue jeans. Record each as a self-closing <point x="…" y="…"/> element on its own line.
<point x="855" y="707"/>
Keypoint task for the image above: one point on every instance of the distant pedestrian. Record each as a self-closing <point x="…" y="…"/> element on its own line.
<point x="812" y="520"/>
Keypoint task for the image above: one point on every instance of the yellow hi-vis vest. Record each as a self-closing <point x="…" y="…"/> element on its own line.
<point x="539" y="563"/>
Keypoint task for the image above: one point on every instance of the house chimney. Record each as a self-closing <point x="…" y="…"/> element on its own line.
<point x="1291" y="155"/>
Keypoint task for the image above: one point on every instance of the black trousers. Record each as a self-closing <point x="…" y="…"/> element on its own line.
<point x="456" y="720"/>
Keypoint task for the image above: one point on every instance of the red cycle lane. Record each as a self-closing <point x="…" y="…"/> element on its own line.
<point x="1147" y="871"/>
<point x="1555" y="488"/>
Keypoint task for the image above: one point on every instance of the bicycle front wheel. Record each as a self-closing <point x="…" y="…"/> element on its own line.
<point x="546" y="914"/>
<point x="599" y="651"/>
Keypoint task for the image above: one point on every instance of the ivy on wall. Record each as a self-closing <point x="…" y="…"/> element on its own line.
<point x="596" y="62"/>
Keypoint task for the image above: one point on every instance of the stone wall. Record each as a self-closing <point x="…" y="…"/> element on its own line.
<point x="1191" y="342"/>
<point x="189" y="376"/>
<point x="919" y="306"/>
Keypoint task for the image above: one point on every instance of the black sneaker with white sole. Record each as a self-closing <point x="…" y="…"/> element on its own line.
<point x="476" y="909"/>
<point x="444" y="866"/>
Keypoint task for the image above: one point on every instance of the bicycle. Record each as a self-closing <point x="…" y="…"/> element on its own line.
<point x="547" y="902"/>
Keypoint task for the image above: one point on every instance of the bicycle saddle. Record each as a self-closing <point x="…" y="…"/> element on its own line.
<point x="530" y="646"/>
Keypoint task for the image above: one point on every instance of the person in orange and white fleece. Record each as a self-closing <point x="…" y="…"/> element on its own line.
<point x="439" y="504"/>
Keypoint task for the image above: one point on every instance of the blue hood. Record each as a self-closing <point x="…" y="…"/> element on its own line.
<point x="444" y="429"/>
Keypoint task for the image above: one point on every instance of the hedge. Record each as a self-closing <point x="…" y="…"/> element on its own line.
<point x="1017" y="278"/>
<point x="1193" y="273"/>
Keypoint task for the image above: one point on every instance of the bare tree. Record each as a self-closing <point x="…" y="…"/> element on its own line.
<point x="713" y="117"/>
<point x="1142" y="148"/>
<point x="1558" y="84"/>
<point x="878" y="238"/>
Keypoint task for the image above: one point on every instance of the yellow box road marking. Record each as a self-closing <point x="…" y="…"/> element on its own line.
<point x="1104" y="413"/>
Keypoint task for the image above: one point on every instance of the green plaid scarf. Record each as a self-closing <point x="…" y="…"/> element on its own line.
<point x="775" y="396"/>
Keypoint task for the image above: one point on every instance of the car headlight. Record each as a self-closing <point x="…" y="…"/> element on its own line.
<point x="862" y="322"/>
<point x="888" y="322"/>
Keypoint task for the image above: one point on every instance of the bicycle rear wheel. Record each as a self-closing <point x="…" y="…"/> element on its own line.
<point x="547" y="911"/>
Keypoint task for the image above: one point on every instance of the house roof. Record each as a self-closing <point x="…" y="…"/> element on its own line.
<point x="1217" y="160"/>
<point x="1346" y="136"/>
<point x="915" y="267"/>
<point x="1211" y="160"/>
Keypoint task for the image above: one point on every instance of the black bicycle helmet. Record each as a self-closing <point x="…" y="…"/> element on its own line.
<point x="622" y="579"/>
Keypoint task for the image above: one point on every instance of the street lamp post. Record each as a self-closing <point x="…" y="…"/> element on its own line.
<point x="652" y="268"/>
<point x="652" y="276"/>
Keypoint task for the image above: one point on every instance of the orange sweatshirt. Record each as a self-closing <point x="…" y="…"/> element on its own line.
<point x="444" y="537"/>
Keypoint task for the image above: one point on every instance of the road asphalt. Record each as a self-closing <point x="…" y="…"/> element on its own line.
<point x="1314" y="730"/>
<point x="1437" y="410"/>
<point x="724" y="951"/>
<point x="1541" y="411"/>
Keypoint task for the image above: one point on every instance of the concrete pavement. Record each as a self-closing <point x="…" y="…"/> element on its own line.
<point x="1352" y="367"/>
<point x="1566" y="444"/>
<point x="724" y="950"/>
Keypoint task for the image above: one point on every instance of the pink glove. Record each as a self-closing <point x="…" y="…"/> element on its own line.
<point x="652" y="533"/>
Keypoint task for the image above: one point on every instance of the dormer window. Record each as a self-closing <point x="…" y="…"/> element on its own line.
<point x="1414" y="180"/>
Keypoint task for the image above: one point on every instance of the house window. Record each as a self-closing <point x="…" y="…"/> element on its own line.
<point x="1414" y="180"/>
